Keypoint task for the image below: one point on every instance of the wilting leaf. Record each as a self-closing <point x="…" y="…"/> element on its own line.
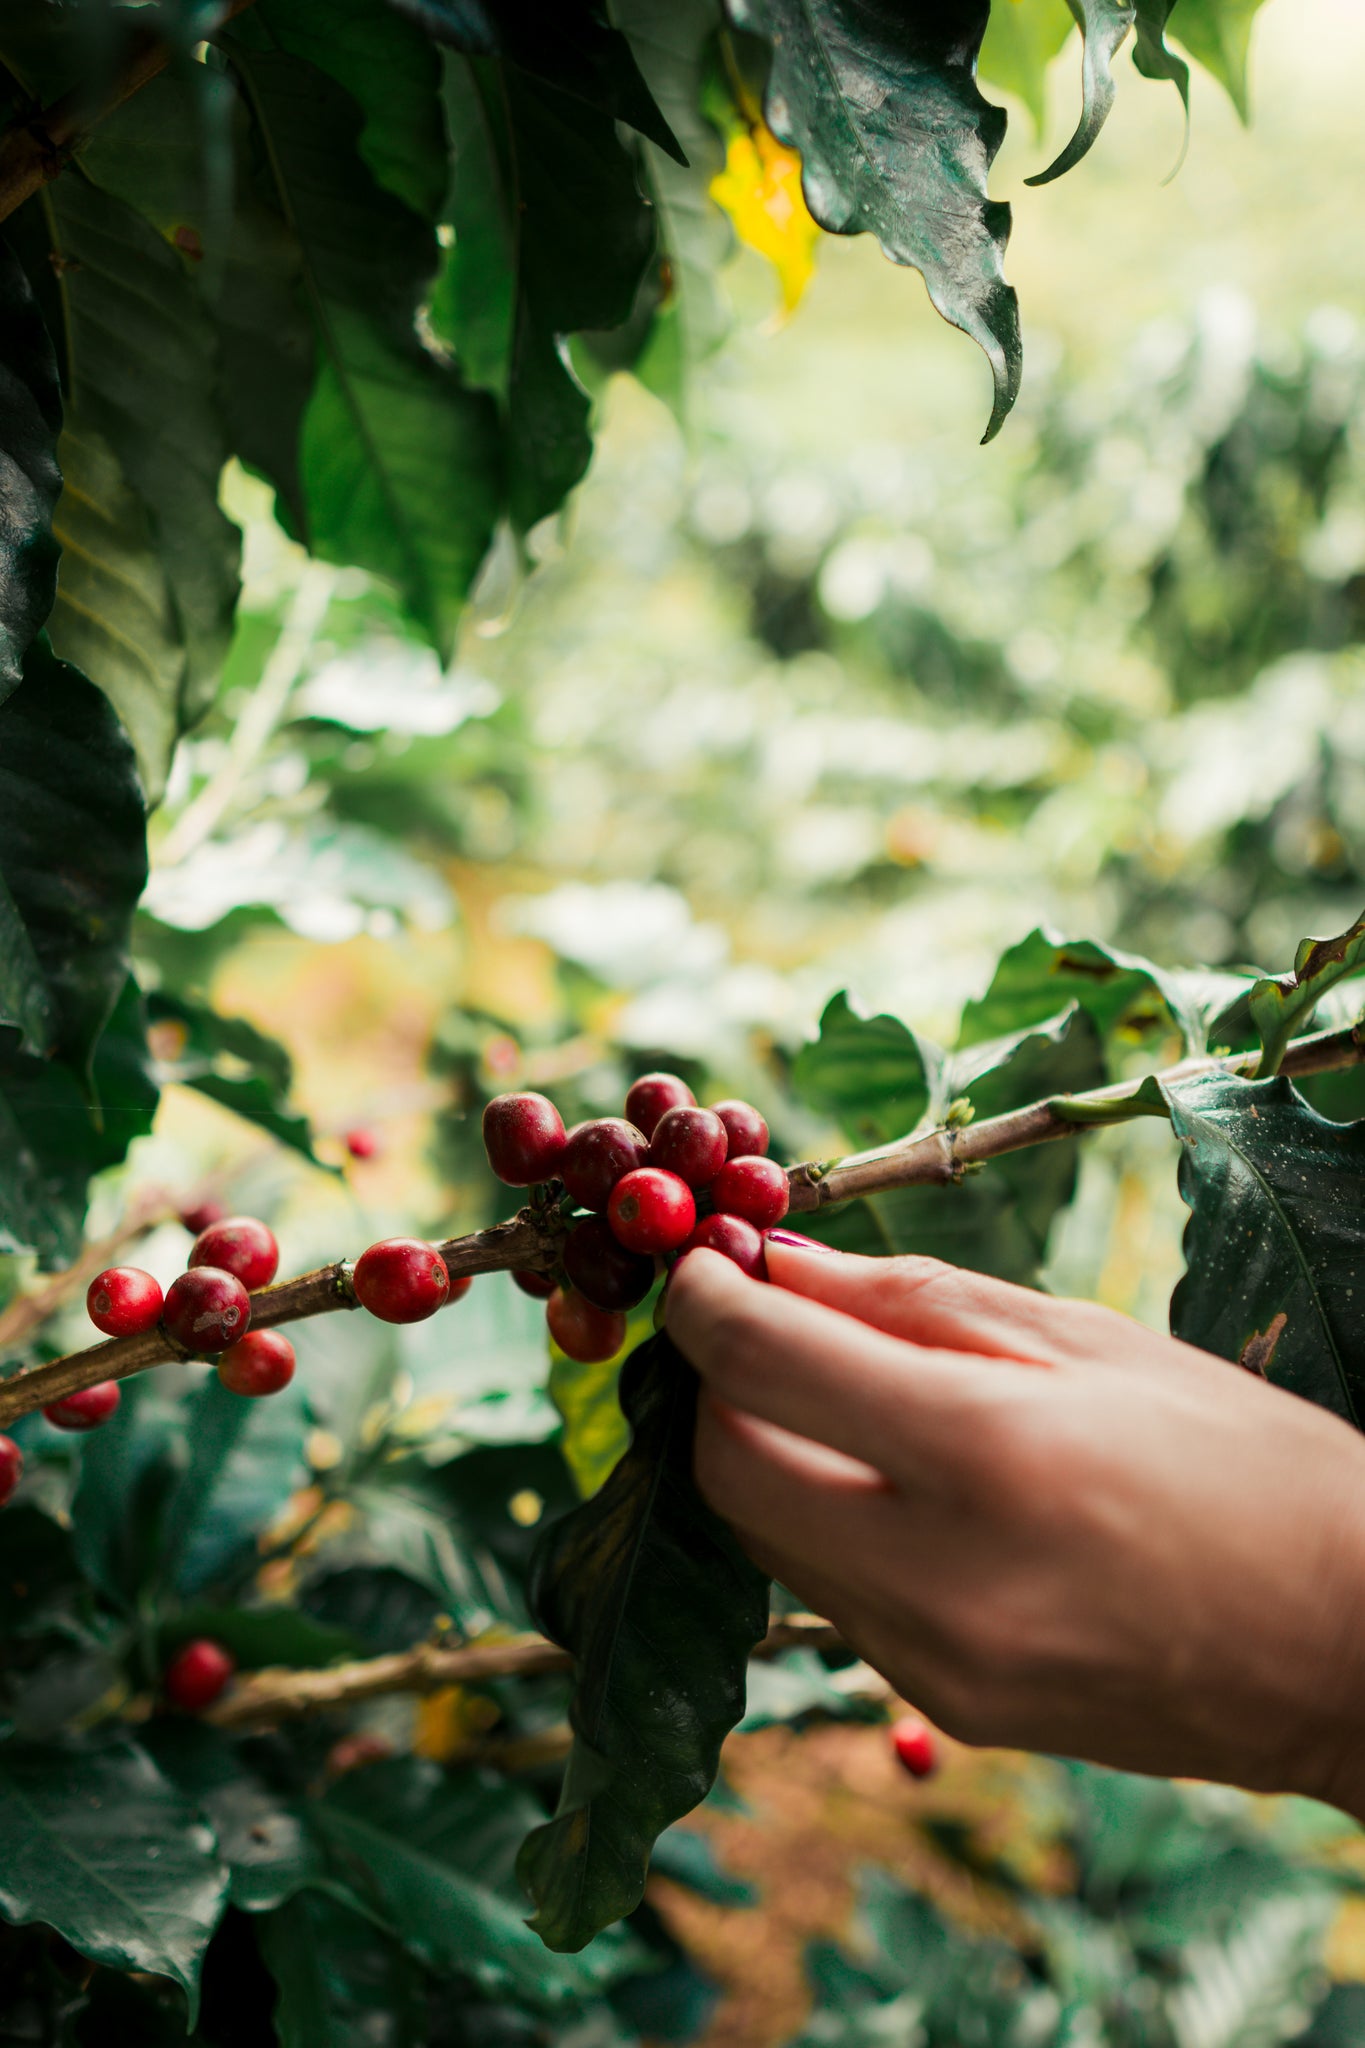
<point x="1281" y="1005"/>
<point x="1277" y="1229"/>
<point x="31" y="410"/>
<point x="895" y="140"/>
<point x="871" y="1074"/>
<point x="660" y="1608"/>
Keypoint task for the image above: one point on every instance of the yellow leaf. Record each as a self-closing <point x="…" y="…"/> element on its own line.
<point x="760" y="189"/>
<point x="448" y="1721"/>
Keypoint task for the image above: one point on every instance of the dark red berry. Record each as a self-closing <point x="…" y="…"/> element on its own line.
<point x="598" y="1155"/>
<point x="691" y="1143"/>
<point x="524" y="1138"/>
<point x="87" y="1409"/>
<point x="744" y="1127"/>
<point x="402" y="1280"/>
<point x="124" y="1301"/>
<point x="601" y="1268"/>
<point x="540" y="1286"/>
<point x="459" y="1287"/>
<point x="202" y="1216"/>
<point x="362" y="1143"/>
<point x="197" y="1674"/>
<point x="651" y="1211"/>
<point x="652" y="1095"/>
<point x="11" y="1467"/>
<point x="242" y="1245"/>
<point x="262" y="1363"/>
<point x="581" y="1329"/>
<point x="734" y="1239"/>
<point x="206" y="1309"/>
<point x="756" y="1189"/>
<point x="915" y="1746"/>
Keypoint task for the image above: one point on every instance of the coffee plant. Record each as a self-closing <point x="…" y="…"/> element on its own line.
<point x="374" y="256"/>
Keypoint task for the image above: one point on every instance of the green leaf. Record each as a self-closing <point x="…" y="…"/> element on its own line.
<point x="376" y="1606"/>
<point x="569" y="44"/>
<point x="233" y="1063"/>
<point x="268" y="1851"/>
<point x="871" y="1074"/>
<point x="1217" y="34"/>
<point x="1104" y="25"/>
<point x="1022" y="38"/>
<point x="40" y="1578"/>
<point x="551" y="237"/>
<point x="896" y="140"/>
<point x="660" y="1608"/>
<point x="342" y="1982"/>
<point x="246" y="1457"/>
<point x="128" y="1469"/>
<point x="95" y="1843"/>
<point x="1282" y="1005"/>
<point x="399" y="467"/>
<point x="31" y="409"/>
<point x="436" y="1851"/>
<point x="261" y="1636"/>
<point x="596" y="1433"/>
<point x="1126" y="997"/>
<point x="1151" y="56"/>
<point x="688" y="1858"/>
<point x="1276" y="1235"/>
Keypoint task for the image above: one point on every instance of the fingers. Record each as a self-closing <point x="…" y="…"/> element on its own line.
<point x="789" y="1497"/>
<point x="820" y="1374"/>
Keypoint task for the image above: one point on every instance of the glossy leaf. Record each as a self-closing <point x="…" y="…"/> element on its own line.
<point x="31" y="410"/>
<point x="871" y="1074"/>
<point x="341" y="1980"/>
<point x="660" y="1608"/>
<point x="1022" y="37"/>
<point x="1126" y="997"/>
<point x="246" y="1457"/>
<point x="97" y="1844"/>
<point x="232" y="1063"/>
<point x="1279" y="1006"/>
<point x="896" y="141"/>
<point x="1275" y="1244"/>
<point x="263" y="1841"/>
<point x="1104" y="25"/>
<point x="1150" y="52"/>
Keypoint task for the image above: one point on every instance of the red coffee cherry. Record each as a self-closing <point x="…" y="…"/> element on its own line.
<point x="744" y="1127"/>
<point x="915" y="1746"/>
<point x="362" y="1143"/>
<point x="599" y="1154"/>
<point x="197" y="1674"/>
<point x="242" y="1245"/>
<point x="402" y="1280"/>
<point x="651" y="1211"/>
<point x="459" y="1287"/>
<point x="86" y="1409"/>
<point x="11" y="1467"/>
<point x="691" y="1143"/>
<point x="601" y="1268"/>
<point x="756" y="1189"/>
<point x="540" y="1286"/>
<point x="202" y="1216"/>
<point x="734" y="1239"/>
<point x="123" y="1301"/>
<point x="524" y="1138"/>
<point x="581" y="1329"/>
<point x="652" y="1095"/>
<point x="206" y="1309"/>
<point x="261" y="1364"/>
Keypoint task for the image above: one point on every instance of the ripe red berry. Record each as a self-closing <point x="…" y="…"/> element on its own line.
<point x="524" y="1138"/>
<point x="540" y="1286"/>
<point x="756" y="1189"/>
<point x="402" y="1280"/>
<point x="581" y="1329"/>
<point x="262" y="1363"/>
<point x="734" y="1239"/>
<point x="86" y="1409"/>
<point x="242" y="1245"/>
<point x="652" y="1095"/>
<point x="691" y="1143"/>
<point x="197" y="1674"/>
<point x="362" y="1143"/>
<point x="202" y="1216"/>
<point x="915" y="1746"/>
<point x="651" y="1211"/>
<point x="599" y="1154"/>
<point x="11" y="1467"/>
<point x="124" y="1301"/>
<point x="206" y="1309"/>
<point x="601" y="1268"/>
<point x="744" y="1127"/>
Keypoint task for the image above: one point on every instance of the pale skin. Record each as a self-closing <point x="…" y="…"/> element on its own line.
<point x="1049" y="1527"/>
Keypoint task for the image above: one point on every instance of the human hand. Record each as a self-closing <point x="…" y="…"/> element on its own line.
<point x="1049" y="1527"/>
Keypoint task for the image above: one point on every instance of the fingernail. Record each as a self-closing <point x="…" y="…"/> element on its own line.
<point x="803" y="1244"/>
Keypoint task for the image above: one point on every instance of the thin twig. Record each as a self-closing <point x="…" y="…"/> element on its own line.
<point x="532" y="1242"/>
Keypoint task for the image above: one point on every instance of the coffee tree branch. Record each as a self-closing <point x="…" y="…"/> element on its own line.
<point x="530" y="1241"/>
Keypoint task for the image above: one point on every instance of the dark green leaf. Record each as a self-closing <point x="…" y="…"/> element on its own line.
<point x="1104" y="25"/>
<point x="688" y="1858"/>
<point x="1150" y="53"/>
<point x="31" y="409"/>
<point x="261" y="1636"/>
<point x="871" y="1074"/>
<point x="895" y="140"/>
<point x="96" y="1843"/>
<point x="660" y="1608"/>
<point x="268" y="1851"/>
<point x="1282" y="1005"/>
<point x="1275" y="1244"/>
<point x="233" y="1063"/>
<point x="342" y="1982"/>
<point x="129" y="1469"/>
<point x="1125" y="996"/>
<point x="569" y="44"/>
<point x="40" y="1579"/>
<point x="377" y="1606"/>
<point x="246" y="1457"/>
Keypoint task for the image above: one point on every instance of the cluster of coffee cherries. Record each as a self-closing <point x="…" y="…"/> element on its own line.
<point x="663" y="1180"/>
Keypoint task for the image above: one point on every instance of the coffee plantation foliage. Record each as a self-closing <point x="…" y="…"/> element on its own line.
<point x="344" y="276"/>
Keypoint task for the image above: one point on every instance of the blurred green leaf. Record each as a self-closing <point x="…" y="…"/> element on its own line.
<point x="1022" y="37"/>
<point x="233" y="1063"/>
<point x="341" y="1980"/>
<point x="260" y="1636"/>
<point x="40" y="1579"/>
<point x="1275" y="1237"/>
<point x="660" y="1608"/>
<point x="896" y="140"/>
<point x="97" y="1844"/>
<point x="269" y="1853"/>
<point x="1280" y="1006"/>
<point x="872" y="1074"/>
<point x="686" y="1857"/>
<point x="31" y="404"/>
<point x="129" y="1468"/>
<point x="246" y="1457"/>
<point x="596" y="1433"/>
<point x="1217" y="34"/>
<point x="378" y="1607"/>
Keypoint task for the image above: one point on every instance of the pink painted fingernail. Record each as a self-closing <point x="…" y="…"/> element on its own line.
<point x="803" y="1244"/>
